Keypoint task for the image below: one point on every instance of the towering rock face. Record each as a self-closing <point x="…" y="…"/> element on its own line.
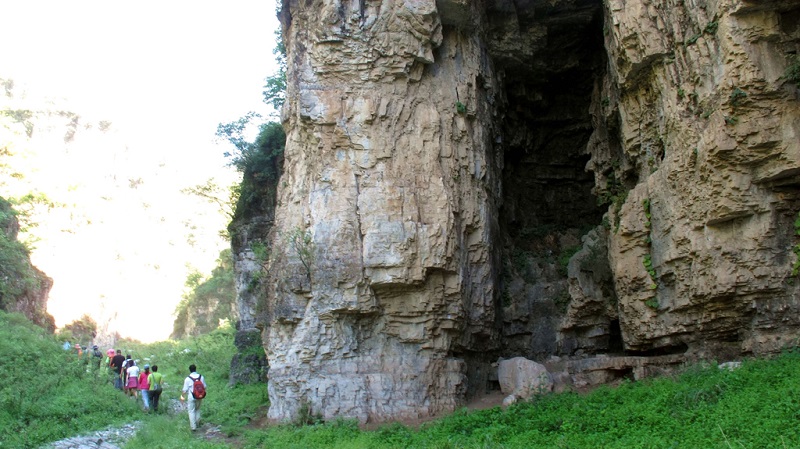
<point x="444" y="164"/>
<point x="384" y="276"/>
<point x="708" y="130"/>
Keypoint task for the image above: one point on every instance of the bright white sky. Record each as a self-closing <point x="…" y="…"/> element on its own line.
<point x="165" y="73"/>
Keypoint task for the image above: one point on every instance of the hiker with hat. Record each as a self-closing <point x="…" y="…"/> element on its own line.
<point x="144" y="386"/>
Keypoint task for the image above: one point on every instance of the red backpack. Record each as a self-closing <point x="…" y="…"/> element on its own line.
<point x="198" y="389"/>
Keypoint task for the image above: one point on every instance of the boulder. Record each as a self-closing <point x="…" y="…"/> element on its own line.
<point x="521" y="378"/>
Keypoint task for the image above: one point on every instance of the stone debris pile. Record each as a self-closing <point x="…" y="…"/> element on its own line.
<point x="111" y="438"/>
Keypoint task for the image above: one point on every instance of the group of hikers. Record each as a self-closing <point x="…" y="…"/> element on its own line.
<point x="133" y="381"/>
<point x="146" y="381"/>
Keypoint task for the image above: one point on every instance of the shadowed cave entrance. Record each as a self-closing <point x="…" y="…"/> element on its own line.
<point x="548" y="203"/>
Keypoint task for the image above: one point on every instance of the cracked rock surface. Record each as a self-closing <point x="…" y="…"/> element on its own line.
<point x="561" y="178"/>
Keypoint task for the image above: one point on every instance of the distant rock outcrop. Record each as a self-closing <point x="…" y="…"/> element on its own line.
<point x="471" y="180"/>
<point x="23" y="287"/>
<point x="209" y="303"/>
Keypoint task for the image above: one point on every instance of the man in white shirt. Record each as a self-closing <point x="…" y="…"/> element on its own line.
<point x="188" y="392"/>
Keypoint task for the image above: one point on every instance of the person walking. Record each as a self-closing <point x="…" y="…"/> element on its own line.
<point x="107" y="364"/>
<point x="155" y="379"/>
<point x="194" y="389"/>
<point x="132" y="382"/>
<point x="144" y="387"/>
<point x="97" y="358"/>
<point x="124" y="373"/>
<point x="116" y="366"/>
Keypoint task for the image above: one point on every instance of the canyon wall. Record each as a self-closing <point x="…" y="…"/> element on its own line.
<point x="708" y="127"/>
<point x="558" y="180"/>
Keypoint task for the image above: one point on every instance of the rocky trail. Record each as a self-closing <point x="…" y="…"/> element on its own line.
<point x="115" y="437"/>
<point x="110" y="438"/>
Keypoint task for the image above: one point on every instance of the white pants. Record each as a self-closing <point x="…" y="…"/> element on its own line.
<point x="194" y="411"/>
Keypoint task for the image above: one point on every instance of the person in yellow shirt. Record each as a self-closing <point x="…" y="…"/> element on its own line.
<point x="156" y="381"/>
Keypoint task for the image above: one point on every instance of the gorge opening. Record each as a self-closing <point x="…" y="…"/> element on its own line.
<point x="547" y="205"/>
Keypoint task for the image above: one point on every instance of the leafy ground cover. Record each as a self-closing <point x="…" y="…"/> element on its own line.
<point x="754" y="406"/>
<point x="47" y="393"/>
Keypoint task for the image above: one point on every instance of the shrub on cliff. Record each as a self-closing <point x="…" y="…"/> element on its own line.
<point x="275" y="85"/>
<point x="259" y="161"/>
<point x="16" y="273"/>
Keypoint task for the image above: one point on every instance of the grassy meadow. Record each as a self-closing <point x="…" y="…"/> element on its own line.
<point x="47" y="394"/>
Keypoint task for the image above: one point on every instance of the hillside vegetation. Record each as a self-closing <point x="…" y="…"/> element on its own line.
<point x="49" y="394"/>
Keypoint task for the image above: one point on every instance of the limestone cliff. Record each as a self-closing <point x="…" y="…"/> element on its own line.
<point x="471" y="180"/>
<point x="23" y="287"/>
<point x="250" y="228"/>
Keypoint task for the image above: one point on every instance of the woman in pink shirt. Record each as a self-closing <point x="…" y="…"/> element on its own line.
<point x="144" y="387"/>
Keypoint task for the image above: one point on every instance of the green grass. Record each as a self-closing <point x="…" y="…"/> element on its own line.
<point x="169" y="432"/>
<point x="47" y="393"/>
<point x="755" y="406"/>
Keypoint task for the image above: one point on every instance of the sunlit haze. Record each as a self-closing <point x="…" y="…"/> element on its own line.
<point x="164" y="74"/>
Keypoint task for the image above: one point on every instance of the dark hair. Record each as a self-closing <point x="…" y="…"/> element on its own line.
<point x="192" y="368"/>
<point x="154" y="368"/>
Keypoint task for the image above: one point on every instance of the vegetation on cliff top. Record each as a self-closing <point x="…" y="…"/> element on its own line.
<point x="16" y="273"/>
<point x="259" y="161"/>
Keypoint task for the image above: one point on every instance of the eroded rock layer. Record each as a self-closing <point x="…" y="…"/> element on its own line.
<point x="465" y="181"/>
<point x="708" y="126"/>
